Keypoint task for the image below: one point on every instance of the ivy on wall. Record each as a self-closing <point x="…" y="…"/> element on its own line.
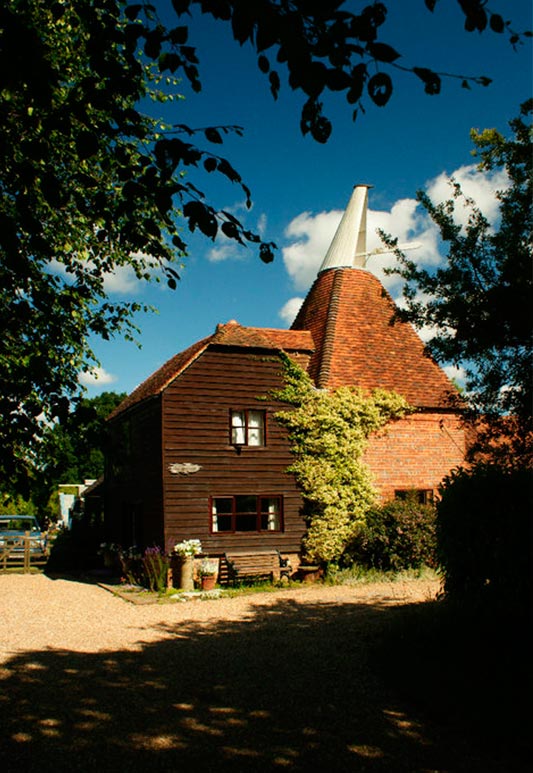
<point x="328" y="432"/>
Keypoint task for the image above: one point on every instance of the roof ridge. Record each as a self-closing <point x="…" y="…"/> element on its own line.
<point x="328" y="344"/>
<point x="157" y="381"/>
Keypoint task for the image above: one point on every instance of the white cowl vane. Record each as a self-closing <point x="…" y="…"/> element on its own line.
<point x="348" y="248"/>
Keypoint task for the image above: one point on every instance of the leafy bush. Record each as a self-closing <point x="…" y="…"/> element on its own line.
<point x="400" y="534"/>
<point x="484" y="532"/>
<point x="73" y="550"/>
<point x="328" y="432"/>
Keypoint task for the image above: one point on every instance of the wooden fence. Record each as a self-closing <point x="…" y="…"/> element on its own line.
<point x="22" y="553"/>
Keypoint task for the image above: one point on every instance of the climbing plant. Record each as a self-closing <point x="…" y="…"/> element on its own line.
<point x="328" y="432"/>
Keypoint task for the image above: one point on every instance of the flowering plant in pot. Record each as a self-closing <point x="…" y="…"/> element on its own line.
<point x="188" y="547"/>
<point x="208" y="573"/>
<point x="185" y="552"/>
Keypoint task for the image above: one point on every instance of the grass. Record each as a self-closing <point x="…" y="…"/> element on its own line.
<point x="352" y="576"/>
<point x="360" y="575"/>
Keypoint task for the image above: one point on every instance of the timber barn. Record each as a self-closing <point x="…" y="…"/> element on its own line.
<point x="196" y="453"/>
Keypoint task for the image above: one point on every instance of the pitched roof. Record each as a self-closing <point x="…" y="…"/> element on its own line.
<point x="360" y="342"/>
<point x="230" y="334"/>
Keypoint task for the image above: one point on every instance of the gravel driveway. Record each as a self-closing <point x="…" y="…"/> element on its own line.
<point x="270" y="681"/>
<point x="39" y="613"/>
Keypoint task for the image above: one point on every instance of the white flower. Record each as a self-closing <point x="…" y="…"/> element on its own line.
<point x="189" y="547"/>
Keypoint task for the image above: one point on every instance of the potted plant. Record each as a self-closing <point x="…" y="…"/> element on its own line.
<point x="208" y="573"/>
<point x="185" y="551"/>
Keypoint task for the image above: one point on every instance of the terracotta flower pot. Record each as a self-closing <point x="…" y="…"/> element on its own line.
<point x="208" y="581"/>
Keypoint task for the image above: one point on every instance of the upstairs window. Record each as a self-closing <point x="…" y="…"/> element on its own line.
<point x="247" y="428"/>
<point x="246" y="513"/>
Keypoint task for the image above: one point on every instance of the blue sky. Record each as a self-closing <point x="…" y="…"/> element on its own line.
<point x="300" y="188"/>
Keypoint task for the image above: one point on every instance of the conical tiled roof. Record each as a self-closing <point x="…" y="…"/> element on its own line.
<point x="359" y="341"/>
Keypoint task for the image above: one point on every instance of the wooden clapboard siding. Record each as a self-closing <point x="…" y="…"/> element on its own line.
<point x="195" y="429"/>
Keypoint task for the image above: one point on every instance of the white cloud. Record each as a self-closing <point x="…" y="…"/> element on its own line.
<point x="312" y="235"/>
<point x="262" y="224"/>
<point x="228" y="249"/>
<point x="224" y="249"/>
<point x="455" y="373"/>
<point x="96" y="377"/>
<point x="289" y="311"/>
<point x="309" y="235"/>
<point x="121" y="280"/>
<point x="479" y="186"/>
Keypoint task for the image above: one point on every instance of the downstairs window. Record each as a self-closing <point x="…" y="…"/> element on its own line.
<point x="242" y="513"/>
<point x="421" y="495"/>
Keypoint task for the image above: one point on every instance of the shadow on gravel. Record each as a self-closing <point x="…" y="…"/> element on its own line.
<point x="288" y="688"/>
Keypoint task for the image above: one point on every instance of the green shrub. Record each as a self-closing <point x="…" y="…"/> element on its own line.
<point x="73" y="550"/>
<point x="484" y="532"/>
<point x="400" y="534"/>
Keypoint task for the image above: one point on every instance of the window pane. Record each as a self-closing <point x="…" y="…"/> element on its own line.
<point x="238" y="435"/>
<point x="223" y="523"/>
<point x="246" y="522"/>
<point x="222" y="505"/>
<point x="238" y="427"/>
<point x="246" y="504"/>
<point x="237" y="419"/>
<point x="270" y="514"/>
<point x="221" y="511"/>
<point x="256" y="428"/>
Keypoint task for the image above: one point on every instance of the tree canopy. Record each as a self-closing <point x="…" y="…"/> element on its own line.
<point x="478" y="304"/>
<point x="73" y="451"/>
<point x="92" y="181"/>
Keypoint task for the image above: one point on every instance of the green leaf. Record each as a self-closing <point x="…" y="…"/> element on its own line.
<point x="383" y="52"/>
<point x="213" y="135"/>
<point x="432" y="81"/>
<point x="86" y="144"/>
<point x="359" y="74"/>
<point x="242" y="23"/>
<point x="178" y="35"/>
<point x="274" y="83"/>
<point x="338" y="80"/>
<point x="132" y="11"/>
<point x="263" y="63"/>
<point x="201" y="216"/>
<point x="266" y="252"/>
<point x="168" y="60"/>
<point x="152" y="46"/>
<point x="210" y="164"/>
<point x="380" y="89"/>
<point x="496" y="22"/>
<point x="181" y="6"/>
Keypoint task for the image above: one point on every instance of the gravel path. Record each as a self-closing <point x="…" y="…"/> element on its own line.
<point x="38" y="612"/>
<point x="264" y="682"/>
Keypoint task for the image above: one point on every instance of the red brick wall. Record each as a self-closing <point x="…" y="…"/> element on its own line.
<point x="415" y="452"/>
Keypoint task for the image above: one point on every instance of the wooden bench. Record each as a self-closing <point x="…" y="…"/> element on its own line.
<point x="256" y="565"/>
